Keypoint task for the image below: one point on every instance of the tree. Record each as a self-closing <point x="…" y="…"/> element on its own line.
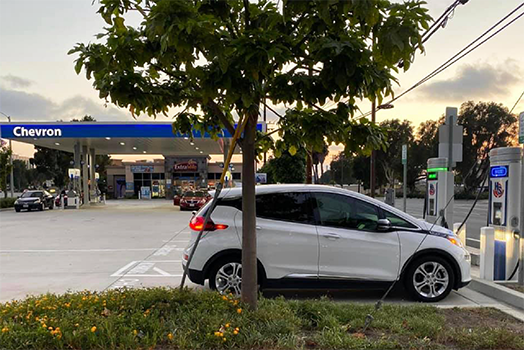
<point x="486" y="126"/>
<point x="399" y="133"/>
<point x="52" y="164"/>
<point x="341" y="169"/>
<point x="286" y="168"/>
<point x="22" y="175"/>
<point x="423" y="147"/>
<point x="213" y="58"/>
<point x="318" y="158"/>
<point x="5" y="167"/>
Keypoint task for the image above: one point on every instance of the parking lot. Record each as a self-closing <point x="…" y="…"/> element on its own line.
<point x="124" y="243"/>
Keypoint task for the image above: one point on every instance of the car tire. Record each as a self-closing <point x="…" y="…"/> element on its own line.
<point x="41" y="207"/>
<point x="222" y="263"/>
<point x="429" y="278"/>
<point x="17" y="210"/>
<point x="231" y="267"/>
<point x="51" y="206"/>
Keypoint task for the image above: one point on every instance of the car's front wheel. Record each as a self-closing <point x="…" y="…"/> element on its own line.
<point x="226" y="276"/>
<point x="429" y="279"/>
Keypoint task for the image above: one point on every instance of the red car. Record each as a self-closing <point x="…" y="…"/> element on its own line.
<point x="193" y="200"/>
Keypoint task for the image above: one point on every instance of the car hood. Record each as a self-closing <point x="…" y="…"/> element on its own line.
<point x="434" y="227"/>
<point x="27" y="200"/>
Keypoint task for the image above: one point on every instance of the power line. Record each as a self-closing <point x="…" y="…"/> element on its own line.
<point x="438" y="24"/>
<point x="516" y="103"/>
<point x="461" y="54"/>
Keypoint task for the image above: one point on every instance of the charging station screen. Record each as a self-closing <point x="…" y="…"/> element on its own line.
<point x="499" y="171"/>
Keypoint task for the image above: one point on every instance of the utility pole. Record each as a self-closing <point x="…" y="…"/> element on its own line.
<point x="521" y="238"/>
<point x="11" y="179"/>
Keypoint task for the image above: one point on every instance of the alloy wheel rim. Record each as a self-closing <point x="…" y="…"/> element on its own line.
<point x="431" y="279"/>
<point x="229" y="278"/>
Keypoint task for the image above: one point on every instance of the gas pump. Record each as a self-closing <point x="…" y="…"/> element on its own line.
<point x="439" y="192"/>
<point x="73" y="198"/>
<point x="505" y="181"/>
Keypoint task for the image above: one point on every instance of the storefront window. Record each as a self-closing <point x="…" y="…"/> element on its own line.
<point x="155" y="181"/>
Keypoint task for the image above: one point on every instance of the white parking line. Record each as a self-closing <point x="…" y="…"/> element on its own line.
<point x="142" y="266"/>
<point x="123" y="269"/>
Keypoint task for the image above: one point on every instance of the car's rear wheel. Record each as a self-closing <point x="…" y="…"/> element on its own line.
<point x="51" y="206"/>
<point x="226" y="276"/>
<point x="429" y="279"/>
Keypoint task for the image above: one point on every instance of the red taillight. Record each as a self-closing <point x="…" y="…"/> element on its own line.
<point x="197" y="223"/>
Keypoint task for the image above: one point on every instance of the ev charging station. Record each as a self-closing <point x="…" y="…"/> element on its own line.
<point x="439" y="192"/>
<point x="505" y="190"/>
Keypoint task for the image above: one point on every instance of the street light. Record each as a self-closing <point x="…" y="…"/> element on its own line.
<point x="11" y="181"/>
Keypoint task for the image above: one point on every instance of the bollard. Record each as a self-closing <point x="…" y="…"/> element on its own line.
<point x="62" y="202"/>
<point x="487" y="252"/>
<point x="77" y="202"/>
<point x="462" y="234"/>
<point x="104" y="198"/>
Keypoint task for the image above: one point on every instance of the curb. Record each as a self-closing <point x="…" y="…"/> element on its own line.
<point x="7" y="209"/>
<point x="498" y="292"/>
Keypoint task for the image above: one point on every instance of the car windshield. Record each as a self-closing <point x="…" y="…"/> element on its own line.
<point x="193" y="194"/>
<point x="32" y="194"/>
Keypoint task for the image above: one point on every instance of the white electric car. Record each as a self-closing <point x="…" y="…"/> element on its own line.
<point x="314" y="236"/>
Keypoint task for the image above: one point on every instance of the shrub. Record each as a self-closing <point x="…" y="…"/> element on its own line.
<point x="7" y="202"/>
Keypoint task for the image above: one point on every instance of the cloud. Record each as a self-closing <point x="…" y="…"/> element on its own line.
<point x="16" y="82"/>
<point x="475" y="81"/>
<point x="35" y="107"/>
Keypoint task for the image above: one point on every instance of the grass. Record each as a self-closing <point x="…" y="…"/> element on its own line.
<point x="7" y="202"/>
<point x="162" y="318"/>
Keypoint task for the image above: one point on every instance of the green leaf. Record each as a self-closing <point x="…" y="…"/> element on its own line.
<point x="292" y="150"/>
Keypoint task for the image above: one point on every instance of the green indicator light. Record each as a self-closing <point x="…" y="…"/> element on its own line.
<point x="432" y="176"/>
<point x="434" y="170"/>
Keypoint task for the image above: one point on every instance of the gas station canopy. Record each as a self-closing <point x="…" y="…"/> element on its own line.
<point x="115" y="137"/>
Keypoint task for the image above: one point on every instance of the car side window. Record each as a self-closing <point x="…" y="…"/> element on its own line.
<point x="293" y="206"/>
<point x="336" y="210"/>
<point x="397" y="221"/>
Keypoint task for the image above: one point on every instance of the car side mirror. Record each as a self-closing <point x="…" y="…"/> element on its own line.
<point x="193" y="212"/>
<point x="383" y="225"/>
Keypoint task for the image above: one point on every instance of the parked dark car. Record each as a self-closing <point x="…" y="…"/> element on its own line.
<point x="193" y="200"/>
<point x="37" y="199"/>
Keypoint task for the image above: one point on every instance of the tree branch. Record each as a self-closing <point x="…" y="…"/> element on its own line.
<point x="271" y="109"/>
<point x="223" y="119"/>
<point x="247" y="14"/>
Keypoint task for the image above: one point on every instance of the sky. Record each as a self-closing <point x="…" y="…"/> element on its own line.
<point x="38" y="81"/>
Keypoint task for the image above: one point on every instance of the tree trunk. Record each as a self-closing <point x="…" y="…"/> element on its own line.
<point x="309" y="166"/>
<point x="249" y="239"/>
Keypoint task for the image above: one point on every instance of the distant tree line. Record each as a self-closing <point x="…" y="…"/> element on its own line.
<point x="487" y="125"/>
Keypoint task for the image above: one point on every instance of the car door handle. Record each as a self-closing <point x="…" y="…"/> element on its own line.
<point x="331" y="236"/>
